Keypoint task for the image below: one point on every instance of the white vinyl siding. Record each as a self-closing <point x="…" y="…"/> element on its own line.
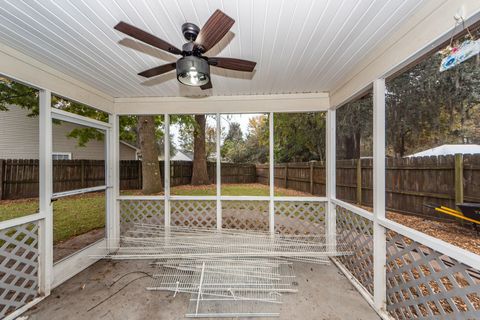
<point x="19" y="136"/>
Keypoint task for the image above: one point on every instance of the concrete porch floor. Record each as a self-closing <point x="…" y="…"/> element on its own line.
<point x="324" y="293"/>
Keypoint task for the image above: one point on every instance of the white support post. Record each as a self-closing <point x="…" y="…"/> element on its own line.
<point x="45" y="247"/>
<point x="271" y="168"/>
<point x="379" y="239"/>
<point x="166" y="171"/>
<point x="331" y="215"/>
<point x="218" y="173"/>
<point x="112" y="173"/>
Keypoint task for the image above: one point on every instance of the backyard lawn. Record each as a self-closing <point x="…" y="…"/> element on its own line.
<point x="71" y="215"/>
<point x="244" y="189"/>
<point x="77" y="215"/>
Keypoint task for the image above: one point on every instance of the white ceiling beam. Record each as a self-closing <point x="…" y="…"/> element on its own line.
<point x="17" y="66"/>
<point x="427" y="28"/>
<point x="224" y="104"/>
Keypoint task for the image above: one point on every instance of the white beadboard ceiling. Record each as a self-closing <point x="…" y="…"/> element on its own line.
<point x="299" y="46"/>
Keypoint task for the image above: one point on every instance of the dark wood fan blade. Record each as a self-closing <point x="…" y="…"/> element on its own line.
<point x="158" y="70"/>
<point x="214" y="30"/>
<point x="207" y="86"/>
<point x="146" y="37"/>
<point x="232" y="63"/>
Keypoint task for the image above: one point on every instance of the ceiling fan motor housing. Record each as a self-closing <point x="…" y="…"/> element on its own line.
<point x="190" y="31"/>
<point x="193" y="71"/>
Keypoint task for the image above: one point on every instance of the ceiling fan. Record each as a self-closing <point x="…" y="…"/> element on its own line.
<point x="193" y="68"/>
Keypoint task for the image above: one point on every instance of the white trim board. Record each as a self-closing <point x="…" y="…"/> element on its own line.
<point x="227" y="198"/>
<point x="224" y="104"/>
<point x="22" y="68"/>
<point x="21" y="220"/>
<point x="62" y="115"/>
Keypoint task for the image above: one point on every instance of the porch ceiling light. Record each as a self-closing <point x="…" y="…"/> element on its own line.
<point x="193" y="71"/>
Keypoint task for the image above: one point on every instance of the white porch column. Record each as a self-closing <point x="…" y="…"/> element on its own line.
<point x="331" y="214"/>
<point x="219" y="172"/>
<point x="379" y="239"/>
<point x="45" y="246"/>
<point x="271" y="175"/>
<point x="166" y="169"/>
<point x="112" y="165"/>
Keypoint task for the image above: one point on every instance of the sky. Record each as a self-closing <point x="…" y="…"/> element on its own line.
<point x="226" y="119"/>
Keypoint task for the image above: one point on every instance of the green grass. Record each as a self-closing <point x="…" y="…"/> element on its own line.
<point x="10" y="209"/>
<point x="245" y="189"/>
<point x="227" y="190"/>
<point x="71" y="215"/>
<point x="77" y="215"/>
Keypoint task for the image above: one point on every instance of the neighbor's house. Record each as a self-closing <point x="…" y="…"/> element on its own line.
<point x="183" y="155"/>
<point x="19" y="139"/>
<point x="180" y="155"/>
<point x="448" y="149"/>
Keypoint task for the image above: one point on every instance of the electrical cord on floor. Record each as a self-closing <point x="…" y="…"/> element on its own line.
<point x="126" y="285"/>
<point x="128" y="273"/>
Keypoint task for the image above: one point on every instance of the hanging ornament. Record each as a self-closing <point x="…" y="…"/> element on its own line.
<point x="456" y="54"/>
<point x="459" y="54"/>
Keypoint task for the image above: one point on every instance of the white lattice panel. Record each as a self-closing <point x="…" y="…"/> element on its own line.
<point x="141" y="211"/>
<point x="357" y="233"/>
<point x="245" y="215"/>
<point x="300" y="217"/>
<point x="193" y="213"/>
<point x="425" y="284"/>
<point x="18" y="267"/>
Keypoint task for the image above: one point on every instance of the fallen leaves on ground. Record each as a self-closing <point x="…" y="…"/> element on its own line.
<point x="452" y="232"/>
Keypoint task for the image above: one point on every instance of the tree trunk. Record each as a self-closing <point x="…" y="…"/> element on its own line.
<point x="357" y="136"/>
<point x="151" y="176"/>
<point x="200" y="172"/>
<point x="352" y="146"/>
<point x="348" y="147"/>
<point x="402" y="146"/>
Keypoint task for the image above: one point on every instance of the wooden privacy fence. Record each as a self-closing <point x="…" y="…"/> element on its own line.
<point x="19" y="178"/>
<point x="413" y="182"/>
<point x="307" y="177"/>
<point x="410" y="182"/>
<point x="181" y="173"/>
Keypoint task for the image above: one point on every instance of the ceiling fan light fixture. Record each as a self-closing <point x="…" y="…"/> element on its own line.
<point x="193" y="71"/>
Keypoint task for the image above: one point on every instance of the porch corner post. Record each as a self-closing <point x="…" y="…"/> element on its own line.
<point x="271" y="175"/>
<point x="45" y="234"/>
<point x="331" y="214"/>
<point x="112" y="172"/>
<point x="219" y="173"/>
<point x="379" y="232"/>
<point x="166" y="170"/>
